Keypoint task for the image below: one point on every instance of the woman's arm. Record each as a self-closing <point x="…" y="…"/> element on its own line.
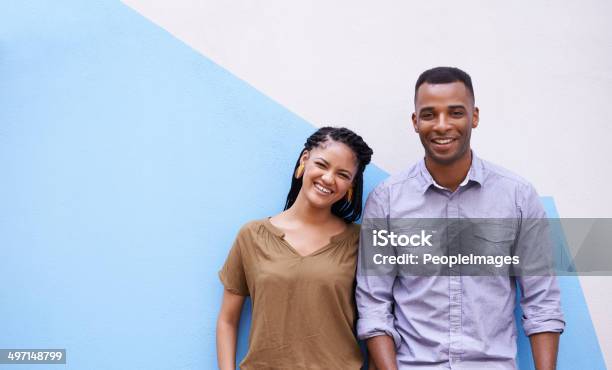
<point x="227" y="329"/>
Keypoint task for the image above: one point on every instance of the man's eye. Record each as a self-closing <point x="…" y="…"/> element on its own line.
<point x="426" y="116"/>
<point x="458" y="114"/>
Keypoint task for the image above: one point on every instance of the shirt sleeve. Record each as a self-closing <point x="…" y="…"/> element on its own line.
<point x="374" y="294"/>
<point x="232" y="274"/>
<point x="540" y="295"/>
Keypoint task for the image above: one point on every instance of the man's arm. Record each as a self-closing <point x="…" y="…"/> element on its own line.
<point x="544" y="347"/>
<point x="374" y="296"/>
<point x="382" y="351"/>
<point x="540" y="295"/>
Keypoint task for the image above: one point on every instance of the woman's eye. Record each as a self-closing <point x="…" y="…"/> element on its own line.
<point x="322" y="165"/>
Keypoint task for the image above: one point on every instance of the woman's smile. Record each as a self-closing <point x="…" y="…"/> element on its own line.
<point x="322" y="189"/>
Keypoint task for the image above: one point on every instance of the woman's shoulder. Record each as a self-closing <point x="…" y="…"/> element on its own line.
<point x="354" y="228"/>
<point x="252" y="224"/>
<point x="350" y="234"/>
<point x="255" y="228"/>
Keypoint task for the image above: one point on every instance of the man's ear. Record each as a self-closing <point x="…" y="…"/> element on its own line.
<point x="475" y="117"/>
<point x="414" y="122"/>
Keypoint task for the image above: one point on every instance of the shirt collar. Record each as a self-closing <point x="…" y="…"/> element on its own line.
<point x="475" y="174"/>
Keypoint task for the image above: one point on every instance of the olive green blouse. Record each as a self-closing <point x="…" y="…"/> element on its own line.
<point x="303" y="306"/>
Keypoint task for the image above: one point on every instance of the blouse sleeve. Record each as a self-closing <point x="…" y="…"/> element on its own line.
<point x="232" y="273"/>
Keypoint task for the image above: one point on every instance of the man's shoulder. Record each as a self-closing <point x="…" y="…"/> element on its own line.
<point x="494" y="172"/>
<point x="403" y="178"/>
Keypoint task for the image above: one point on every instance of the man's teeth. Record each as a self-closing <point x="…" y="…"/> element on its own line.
<point x="442" y="141"/>
<point x="325" y="190"/>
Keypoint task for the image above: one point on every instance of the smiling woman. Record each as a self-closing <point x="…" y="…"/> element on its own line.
<point x="350" y="153"/>
<point x="299" y="266"/>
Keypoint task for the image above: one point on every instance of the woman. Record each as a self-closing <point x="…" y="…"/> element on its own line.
<point x="299" y="266"/>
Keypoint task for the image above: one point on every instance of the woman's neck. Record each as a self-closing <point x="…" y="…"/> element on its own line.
<point x="303" y="211"/>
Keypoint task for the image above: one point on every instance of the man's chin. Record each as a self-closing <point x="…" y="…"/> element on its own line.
<point x="445" y="159"/>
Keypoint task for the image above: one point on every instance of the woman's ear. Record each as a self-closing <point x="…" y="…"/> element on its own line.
<point x="299" y="171"/>
<point x="304" y="157"/>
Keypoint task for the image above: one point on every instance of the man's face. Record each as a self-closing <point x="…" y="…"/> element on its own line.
<point x="444" y="118"/>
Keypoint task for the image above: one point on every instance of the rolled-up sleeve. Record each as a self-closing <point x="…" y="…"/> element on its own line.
<point x="374" y="294"/>
<point x="540" y="295"/>
<point x="540" y="302"/>
<point x="375" y="306"/>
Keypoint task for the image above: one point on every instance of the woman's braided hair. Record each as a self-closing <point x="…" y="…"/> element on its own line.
<point x="349" y="211"/>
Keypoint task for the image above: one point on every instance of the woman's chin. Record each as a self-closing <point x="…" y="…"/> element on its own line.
<point x="321" y="202"/>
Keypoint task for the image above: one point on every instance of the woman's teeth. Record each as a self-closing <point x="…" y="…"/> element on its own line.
<point x="324" y="190"/>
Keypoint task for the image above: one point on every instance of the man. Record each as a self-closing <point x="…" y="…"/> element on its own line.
<point x="453" y="321"/>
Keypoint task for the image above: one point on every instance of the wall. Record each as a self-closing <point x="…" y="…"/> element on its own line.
<point x="131" y="153"/>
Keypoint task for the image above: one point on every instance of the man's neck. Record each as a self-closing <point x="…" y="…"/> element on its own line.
<point x="449" y="175"/>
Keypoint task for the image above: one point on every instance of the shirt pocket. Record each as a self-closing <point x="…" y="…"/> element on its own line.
<point x="492" y="242"/>
<point x="496" y="232"/>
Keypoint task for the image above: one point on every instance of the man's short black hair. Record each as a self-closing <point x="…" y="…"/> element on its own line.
<point x="444" y="75"/>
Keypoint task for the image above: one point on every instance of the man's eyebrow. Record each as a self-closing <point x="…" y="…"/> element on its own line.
<point x="426" y="109"/>
<point x="459" y="106"/>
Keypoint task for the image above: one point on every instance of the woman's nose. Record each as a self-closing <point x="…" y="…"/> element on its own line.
<point x="328" y="177"/>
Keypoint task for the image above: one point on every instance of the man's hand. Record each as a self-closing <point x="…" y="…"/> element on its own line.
<point x="544" y="347"/>
<point x="382" y="350"/>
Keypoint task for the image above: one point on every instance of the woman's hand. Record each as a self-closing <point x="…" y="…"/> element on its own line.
<point x="227" y="329"/>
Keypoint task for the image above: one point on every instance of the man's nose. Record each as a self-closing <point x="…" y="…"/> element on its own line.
<point x="442" y="124"/>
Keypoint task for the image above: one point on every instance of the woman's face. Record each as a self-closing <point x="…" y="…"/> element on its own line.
<point x="329" y="170"/>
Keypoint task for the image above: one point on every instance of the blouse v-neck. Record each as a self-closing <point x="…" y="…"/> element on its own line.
<point x="334" y="240"/>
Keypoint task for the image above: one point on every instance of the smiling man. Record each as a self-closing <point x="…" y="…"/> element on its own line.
<point x="452" y="321"/>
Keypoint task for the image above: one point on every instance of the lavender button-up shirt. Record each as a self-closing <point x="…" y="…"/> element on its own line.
<point x="455" y="322"/>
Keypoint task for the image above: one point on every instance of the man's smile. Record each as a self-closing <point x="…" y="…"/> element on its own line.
<point x="443" y="140"/>
<point x="443" y="143"/>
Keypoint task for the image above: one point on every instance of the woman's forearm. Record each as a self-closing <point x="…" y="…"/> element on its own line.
<point x="227" y="329"/>
<point x="226" y="345"/>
